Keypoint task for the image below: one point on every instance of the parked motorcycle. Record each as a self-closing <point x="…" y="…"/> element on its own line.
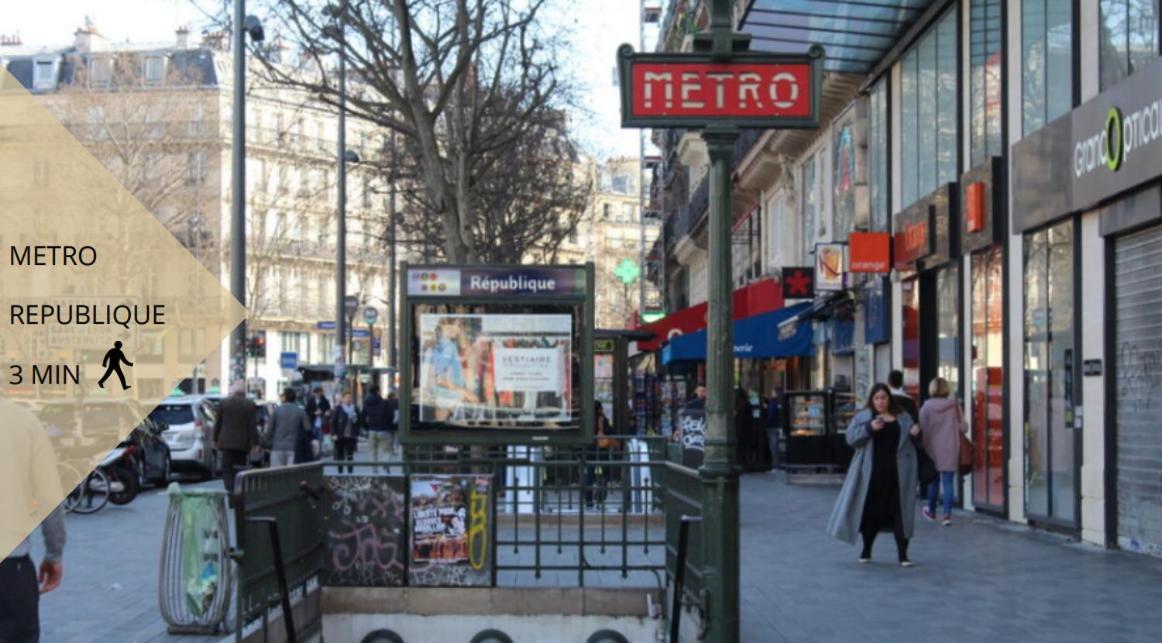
<point x="120" y="467"/>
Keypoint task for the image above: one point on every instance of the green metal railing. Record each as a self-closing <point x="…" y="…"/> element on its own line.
<point x="279" y="531"/>
<point x="560" y="517"/>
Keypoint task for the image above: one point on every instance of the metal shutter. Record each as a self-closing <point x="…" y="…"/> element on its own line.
<point x="1138" y="369"/>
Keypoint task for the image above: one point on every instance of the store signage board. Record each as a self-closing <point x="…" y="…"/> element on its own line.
<point x="914" y="239"/>
<point x="829" y="266"/>
<point x="798" y="282"/>
<point x="758" y="90"/>
<point x="981" y="189"/>
<point x="870" y="252"/>
<point x="1110" y="144"/>
<point x="922" y="232"/>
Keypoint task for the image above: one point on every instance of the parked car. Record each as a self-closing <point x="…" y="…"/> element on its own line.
<point x="188" y="433"/>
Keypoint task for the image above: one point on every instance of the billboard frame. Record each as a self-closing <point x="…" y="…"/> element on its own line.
<point x="531" y="436"/>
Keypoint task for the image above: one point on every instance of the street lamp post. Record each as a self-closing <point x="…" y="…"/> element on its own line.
<point x="242" y="25"/>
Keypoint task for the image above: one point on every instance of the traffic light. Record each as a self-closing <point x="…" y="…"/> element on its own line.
<point x="256" y="345"/>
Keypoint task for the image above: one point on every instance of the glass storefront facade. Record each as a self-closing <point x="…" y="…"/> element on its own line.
<point x="877" y="155"/>
<point x="986" y="378"/>
<point x="910" y="307"/>
<point x="1046" y="61"/>
<point x="928" y="111"/>
<point x="985" y="39"/>
<point x="1128" y="38"/>
<point x="948" y="327"/>
<point x="1051" y="382"/>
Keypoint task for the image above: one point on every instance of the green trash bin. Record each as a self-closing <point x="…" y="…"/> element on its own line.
<point x="197" y="574"/>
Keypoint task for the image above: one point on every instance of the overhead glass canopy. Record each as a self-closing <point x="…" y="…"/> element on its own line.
<point x="855" y="34"/>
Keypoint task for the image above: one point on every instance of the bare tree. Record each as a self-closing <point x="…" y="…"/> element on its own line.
<point x="472" y="90"/>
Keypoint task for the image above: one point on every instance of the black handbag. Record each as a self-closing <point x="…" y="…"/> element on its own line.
<point x="925" y="467"/>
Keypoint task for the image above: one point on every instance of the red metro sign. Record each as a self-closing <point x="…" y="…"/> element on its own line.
<point x="690" y="90"/>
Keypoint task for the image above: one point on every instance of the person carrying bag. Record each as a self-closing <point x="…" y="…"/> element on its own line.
<point x="942" y="429"/>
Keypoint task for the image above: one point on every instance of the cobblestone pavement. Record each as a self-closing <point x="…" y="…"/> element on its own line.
<point x="980" y="579"/>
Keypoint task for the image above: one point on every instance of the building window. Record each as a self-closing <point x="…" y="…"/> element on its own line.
<point x="810" y="207"/>
<point x="985" y="37"/>
<point x="1046" y="61"/>
<point x="621" y="184"/>
<point x="877" y="156"/>
<point x="154" y="70"/>
<point x="606" y="210"/>
<point x="1129" y="38"/>
<point x="628" y="209"/>
<point x="928" y="112"/>
<point x="100" y="72"/>
<point x="1050" y="380"/>
<point x="197" y="161"/>
<point x="948" y="326"/>
<point x="45" y="74"/>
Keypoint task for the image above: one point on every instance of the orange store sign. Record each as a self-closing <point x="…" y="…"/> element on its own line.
<point x="913" y="242"/>
<point x="870" y="252"/>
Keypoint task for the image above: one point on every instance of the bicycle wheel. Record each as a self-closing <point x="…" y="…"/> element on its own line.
<point x="91" y="495"/>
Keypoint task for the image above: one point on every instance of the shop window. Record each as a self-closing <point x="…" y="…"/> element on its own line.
<point x="877" y="156"/>
<point x="1129" y="38"/>
<point x="1050" y="380"/>
<point x="810" y="207"/>
<point x="928" y="136"/>
<point x="910" y="291"/>
<point x="1046" y="61"/>
<point x="986" y="379"/>
<point x="985" y="42"/>
<point x="948" y="327"/>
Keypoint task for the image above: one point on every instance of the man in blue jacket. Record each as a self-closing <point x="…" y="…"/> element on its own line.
<point x="377" y="417"/>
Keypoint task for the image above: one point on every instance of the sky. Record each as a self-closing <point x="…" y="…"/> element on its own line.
<point x="595" y="28"/>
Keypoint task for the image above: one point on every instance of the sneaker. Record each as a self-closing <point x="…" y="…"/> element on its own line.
<point x="929" y="515"/>
<point x="864" y="560"/>
<point x="947" y="521"/>
<point x="906" y="563"/>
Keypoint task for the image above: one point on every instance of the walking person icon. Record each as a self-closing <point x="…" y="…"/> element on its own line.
<point x="112" y="363"/>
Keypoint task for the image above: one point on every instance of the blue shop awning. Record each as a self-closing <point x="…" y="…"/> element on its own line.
<point x="855" y="35"/>
<point x="757" y="337"/>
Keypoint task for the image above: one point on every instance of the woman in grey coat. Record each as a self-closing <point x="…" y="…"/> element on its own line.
<point x="879" y="492"/>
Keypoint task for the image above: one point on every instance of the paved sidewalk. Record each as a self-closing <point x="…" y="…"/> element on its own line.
<point x="981" y="579"/>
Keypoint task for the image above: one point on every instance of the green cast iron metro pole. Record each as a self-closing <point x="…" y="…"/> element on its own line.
<point x="719" y="471"/>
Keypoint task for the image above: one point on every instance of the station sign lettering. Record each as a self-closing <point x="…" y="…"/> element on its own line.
<point x="692" y="90"/>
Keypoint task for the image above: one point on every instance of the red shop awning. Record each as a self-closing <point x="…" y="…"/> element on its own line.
<point x="754" y="299"/>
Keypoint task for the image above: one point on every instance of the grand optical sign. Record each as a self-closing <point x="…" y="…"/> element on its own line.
<point x="1117" y="138"/>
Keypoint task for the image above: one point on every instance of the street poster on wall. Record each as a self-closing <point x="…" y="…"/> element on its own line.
<point x="692" y="424"/>
<point x="481" y="371"/>
<point x="451" y="527"/>
<point x="365" y="536"/>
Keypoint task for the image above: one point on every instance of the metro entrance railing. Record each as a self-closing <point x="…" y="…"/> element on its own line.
<point x="560" y="517"/>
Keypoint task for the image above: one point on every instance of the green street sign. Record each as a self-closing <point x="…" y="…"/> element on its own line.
<point x="627" y="271"/>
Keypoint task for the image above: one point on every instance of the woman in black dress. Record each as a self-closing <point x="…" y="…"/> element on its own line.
<point x="881" y="509"/>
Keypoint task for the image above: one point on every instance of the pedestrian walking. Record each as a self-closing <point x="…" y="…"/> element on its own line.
<point x="941" y="425"/>
<point x="235" y="432"/>
<point x="600" y="452"/>
<point x="377" y="417"/>
<point x="773" y="419"/>
<point x="288" y="425"/>
<point x="318" y="408"/>
<point x="904" y="402"/>
<point x="28" y="476"/>
<point x="879" y="490"/>
<point x="345" y="426"/>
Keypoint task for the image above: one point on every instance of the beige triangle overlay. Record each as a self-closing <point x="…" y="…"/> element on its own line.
<point x="57" y="322"/>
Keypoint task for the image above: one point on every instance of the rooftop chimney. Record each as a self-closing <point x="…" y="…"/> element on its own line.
<point x="183" y="37"/>
<point x="87" y="38"/>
